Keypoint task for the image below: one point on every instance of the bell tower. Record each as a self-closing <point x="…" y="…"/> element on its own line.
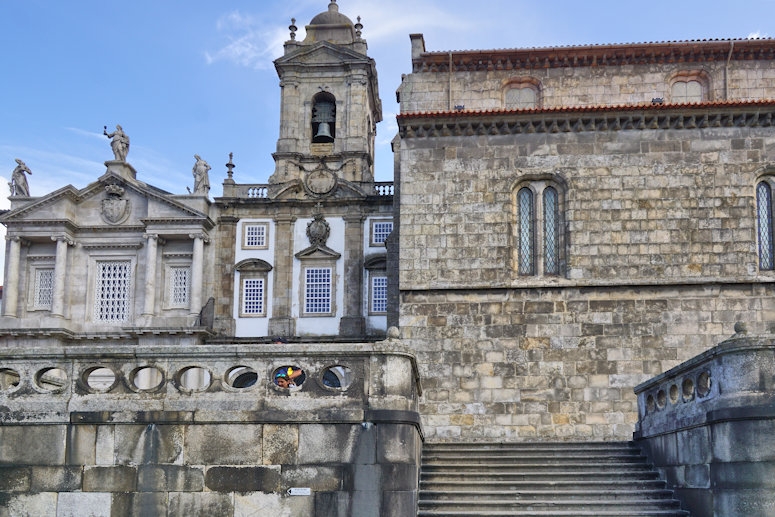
<point x="330" y="107"/>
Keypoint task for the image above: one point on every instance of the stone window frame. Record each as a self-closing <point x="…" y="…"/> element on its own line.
<point x="95" y="261"/>
<point x="373" y="234"/>
<point x="253" y="269"/>
<point x="38" y="264"/>
<point x="176" y="262"/>
<point x="245" y="236"/>
<point x="541" y="264"/>
<point x="522" y="83"/>
<point x="688" y="76"/>
<point x="376" y="268"/>
<point x="765" y="225"/>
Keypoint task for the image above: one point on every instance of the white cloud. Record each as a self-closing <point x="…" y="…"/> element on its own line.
<point x="250" y="44"/>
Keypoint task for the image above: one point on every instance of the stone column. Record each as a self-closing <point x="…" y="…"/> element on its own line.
<point x="150" y="273"/>
<point x="353" y="323"/>
<point x="11" y="290"/>
<point x="60" y="275"/>
<point x="197" y="272"/>
<point x="281" y="323"/>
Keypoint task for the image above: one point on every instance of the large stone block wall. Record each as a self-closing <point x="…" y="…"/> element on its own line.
<point x="220" y="450"/>
<point x="707" y="425"/>
<point x="610" y="85"/>
<point x="560" y="363"/>
<point x="660" y="261"/>
<point x="637" y="205"/>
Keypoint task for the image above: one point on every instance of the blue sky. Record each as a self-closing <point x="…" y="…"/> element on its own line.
<point x="195" y="76"/>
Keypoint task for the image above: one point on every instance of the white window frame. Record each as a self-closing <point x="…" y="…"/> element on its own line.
<point x="246" y="278"/>
<point x="380" y="276"/>
<point x="246" y="235"/>
<point x="305" y="291"/>
<point x="375" y="234"/>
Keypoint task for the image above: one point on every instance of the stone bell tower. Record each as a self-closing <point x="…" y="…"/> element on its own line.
<point x="330" y="107"/>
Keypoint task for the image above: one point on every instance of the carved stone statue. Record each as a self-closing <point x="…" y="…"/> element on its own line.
<point x="201" y="178"/>
<point x="18" y="184"/>
<point x="119" y="142"/>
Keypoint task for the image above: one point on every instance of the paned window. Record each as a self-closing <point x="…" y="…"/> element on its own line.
<point x="179" y="286"/>
<point x="380" y="231"/>
<point x="539" y="239"/>
<point x="112" y="290"/>
<point x="317" y="290"/>
<point x="44" y="288"/>
<point x="764" y="225"/>
<point x="378" y="294"/>
<point x="525" y="200"/>
<point x="252" y="296"/>
<point x="255" y="236"/>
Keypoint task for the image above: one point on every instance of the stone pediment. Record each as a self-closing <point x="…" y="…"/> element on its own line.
<point x="322" y="52"/>
<point x="111" y="201"/>
<point x="318" y="252"/>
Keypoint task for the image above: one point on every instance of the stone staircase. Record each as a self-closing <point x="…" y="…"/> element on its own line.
<point x="542" y="479"/>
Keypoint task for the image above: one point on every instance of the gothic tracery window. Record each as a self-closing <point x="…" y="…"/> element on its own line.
<point x="538" y="236"/>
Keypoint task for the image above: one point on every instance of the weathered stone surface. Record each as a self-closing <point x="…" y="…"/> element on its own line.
<point x="32" y="444"/>
<point x="186" y="504"/>
<point x="169" y="478"/>
<point x="56" y="479"/>
<point x="228" y="444"/>
<point x="23" y="505"/>
<point x="110" y="479"/>
<point x="78" y="504"/>
<point x="243" y="479"/>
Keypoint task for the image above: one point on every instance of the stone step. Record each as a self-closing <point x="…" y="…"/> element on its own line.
<point x="554" y="504"/>
<point x="494" y="459"/>
<point x="533" y="484"/>
<point x="579" y="512"/>
<point x="542" y="479"/>
<point x="523" y="495"/>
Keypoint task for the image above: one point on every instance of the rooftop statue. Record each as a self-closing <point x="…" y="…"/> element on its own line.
<point x="18" y="184"/>
<point x="119" y="142"/>
<point x="201" y="178"/>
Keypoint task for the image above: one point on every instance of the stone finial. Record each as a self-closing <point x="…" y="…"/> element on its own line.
<point x="358" y="28"/>
<point x="393" y="333"/>
<point x="292" y="27"/>
<point x="230" y="166"/>
<point x="741" y="328"/>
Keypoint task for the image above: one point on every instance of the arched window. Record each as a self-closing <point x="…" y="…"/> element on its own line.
<point x="539" y="222"/>
<point x="689" y="86"/>
<point x="521" y="93"/>
<point x="526" y="203"/>
<point x="323" y="118"/>
<point x="764" y="224"/>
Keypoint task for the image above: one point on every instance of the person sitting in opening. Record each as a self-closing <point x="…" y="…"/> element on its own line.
<point x="289" y="377"/>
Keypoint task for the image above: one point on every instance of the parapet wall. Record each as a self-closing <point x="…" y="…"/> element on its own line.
<point x="708" y="425"/>
<point x="84" y="428"/>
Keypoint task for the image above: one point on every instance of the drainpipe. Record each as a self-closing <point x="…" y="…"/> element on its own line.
<point x="449" y="92"/>
<point x="726" y="70"/>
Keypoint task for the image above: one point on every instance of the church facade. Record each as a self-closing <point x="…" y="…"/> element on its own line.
<point x="563" y="225"/>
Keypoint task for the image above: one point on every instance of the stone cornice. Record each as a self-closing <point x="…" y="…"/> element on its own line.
<point x="663" y="53"/>
<point x="586" y="119"/>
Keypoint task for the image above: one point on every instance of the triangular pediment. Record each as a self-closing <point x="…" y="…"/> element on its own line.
<point x="322" y="52"/>
<point x="318" y="252"/>
<point x="111" y="201"/>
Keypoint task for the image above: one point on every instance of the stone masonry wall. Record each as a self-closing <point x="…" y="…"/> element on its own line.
<point x="659" y="261"/>
<point x="71" y="445"/>
<point x="583" y="86"/>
